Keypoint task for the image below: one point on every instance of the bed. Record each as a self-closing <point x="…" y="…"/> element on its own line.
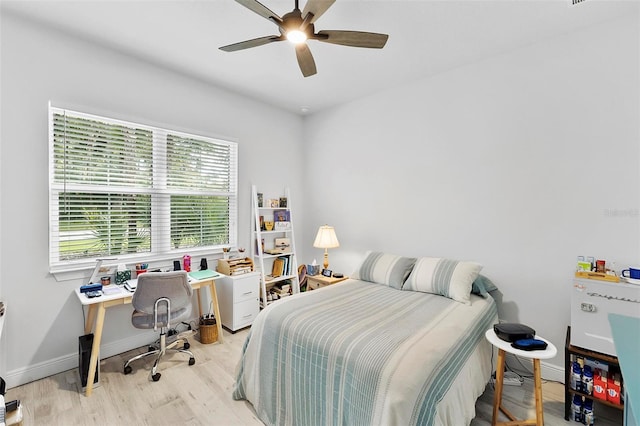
<point x="371" y="350"/>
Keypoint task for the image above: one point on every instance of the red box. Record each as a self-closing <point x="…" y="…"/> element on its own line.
<point x="600" y="384"/>
<point x="613" y="392"/>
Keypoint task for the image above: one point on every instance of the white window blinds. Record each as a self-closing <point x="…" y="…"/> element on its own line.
<point x="120" y="189"/>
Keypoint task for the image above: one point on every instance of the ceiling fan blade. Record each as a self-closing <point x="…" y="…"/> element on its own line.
<point x="353" y="38"/>
<point x="261" y="10"/>
<point x="317" y="8"/>
<point x="251" y="43"/>
<point x="305" y="60"/>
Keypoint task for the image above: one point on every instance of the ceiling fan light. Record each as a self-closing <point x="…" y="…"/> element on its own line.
<point x="296" y="36"/>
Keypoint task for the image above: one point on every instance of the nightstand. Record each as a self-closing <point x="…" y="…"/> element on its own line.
<point x="318" y="281"/>
<point x="536" y="356"/>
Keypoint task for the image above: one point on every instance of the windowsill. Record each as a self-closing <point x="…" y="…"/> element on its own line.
<point x="83" y="271"/>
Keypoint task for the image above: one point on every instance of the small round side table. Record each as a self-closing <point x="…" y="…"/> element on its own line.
<point x="536" y="356"/>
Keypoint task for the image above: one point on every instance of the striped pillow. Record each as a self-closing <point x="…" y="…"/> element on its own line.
<point x="384" y="268"/>
<point x="446" y="277"/>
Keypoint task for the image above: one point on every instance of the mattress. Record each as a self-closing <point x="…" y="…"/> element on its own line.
<point x="359" y="353"/>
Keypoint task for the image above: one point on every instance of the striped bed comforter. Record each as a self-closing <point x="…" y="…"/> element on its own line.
<point x="358" y="353"/>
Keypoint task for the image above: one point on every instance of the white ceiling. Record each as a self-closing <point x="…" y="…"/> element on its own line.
<point x="426" y="37"/>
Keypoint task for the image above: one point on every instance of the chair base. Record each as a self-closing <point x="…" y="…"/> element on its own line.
<point x="180" y="344"/>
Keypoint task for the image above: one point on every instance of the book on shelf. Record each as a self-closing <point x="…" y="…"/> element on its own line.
<point x="278" y="251"/>
<point x="286" y="260"/>
<point x="282" y="226"/>
<point x="281" y="215"/>
<point x="278" y="267"/>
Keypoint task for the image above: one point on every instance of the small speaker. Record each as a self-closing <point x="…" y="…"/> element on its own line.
<point x="84" y="354"/>
<point x="203" y="264"/>
<point x="176" y="265"/>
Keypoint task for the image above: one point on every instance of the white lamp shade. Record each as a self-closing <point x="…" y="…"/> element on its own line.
<point x="326" y="238"/>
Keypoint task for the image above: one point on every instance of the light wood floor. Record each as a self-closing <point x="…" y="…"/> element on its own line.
<point x="201" y="394"/>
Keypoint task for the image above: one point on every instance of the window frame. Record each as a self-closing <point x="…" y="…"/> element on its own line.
<point x="160" y="230"/>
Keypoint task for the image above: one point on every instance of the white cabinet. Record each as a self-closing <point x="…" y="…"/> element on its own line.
<point x="238" y="297"/>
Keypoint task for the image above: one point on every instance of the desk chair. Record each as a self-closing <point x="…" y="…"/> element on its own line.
<point x="161" y="299"/>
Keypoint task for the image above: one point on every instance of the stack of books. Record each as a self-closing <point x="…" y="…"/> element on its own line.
<point x="280" y="291"/>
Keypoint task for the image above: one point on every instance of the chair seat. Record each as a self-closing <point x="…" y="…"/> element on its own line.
<point x="143" y="320"/>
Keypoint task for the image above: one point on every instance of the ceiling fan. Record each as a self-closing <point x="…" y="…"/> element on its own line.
<point x="298" y="27"/>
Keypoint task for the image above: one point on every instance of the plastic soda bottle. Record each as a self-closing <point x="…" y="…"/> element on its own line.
<point x="576" y="408"/>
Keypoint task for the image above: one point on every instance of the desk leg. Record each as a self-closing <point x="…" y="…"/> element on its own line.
<point x="538" y="392"/>
<point x="497" y="392"/>
<point x="199" y="305"/>
<point x="95" y="349"/>
<point x="91" y="317"/>
<point x="216" y="309"/>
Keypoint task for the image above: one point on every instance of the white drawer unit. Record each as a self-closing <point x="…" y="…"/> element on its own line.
<point x="591" y="303"/>
<point x="239" y="299"/>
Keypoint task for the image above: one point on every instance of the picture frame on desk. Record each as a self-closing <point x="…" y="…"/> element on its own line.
<point x="327" y="272"/>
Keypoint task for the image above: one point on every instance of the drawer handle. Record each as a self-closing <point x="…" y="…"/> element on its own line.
<point x="248" y="292"/>
<point x="247" y="316"/>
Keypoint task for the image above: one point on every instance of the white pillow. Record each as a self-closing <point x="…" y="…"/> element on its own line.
<point x="386" y="269"/>
<point x="446" y="277"/>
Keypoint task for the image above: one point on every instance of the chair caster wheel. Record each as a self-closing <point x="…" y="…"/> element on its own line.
<point x="187" y="345"/>
<point x="128" y="369"/>
<point x="192" y="361"/>
<point x="156" y="377"/>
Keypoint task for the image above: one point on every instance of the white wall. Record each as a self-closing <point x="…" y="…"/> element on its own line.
<point x="521" y="162"/>
<point x="39" y="65"/>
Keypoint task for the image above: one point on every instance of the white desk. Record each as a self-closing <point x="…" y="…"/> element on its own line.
<point x="98" y="306"/>
<point x="504" y="347"/>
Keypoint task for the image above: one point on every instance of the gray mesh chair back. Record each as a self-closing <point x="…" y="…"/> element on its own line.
<point x="153" y="286"/>
<point x="161" y="300"/>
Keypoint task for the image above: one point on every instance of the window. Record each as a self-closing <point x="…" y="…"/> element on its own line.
<point x="135" y="192"/>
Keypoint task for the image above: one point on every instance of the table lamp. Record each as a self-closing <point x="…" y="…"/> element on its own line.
<point x="326" y="239"/>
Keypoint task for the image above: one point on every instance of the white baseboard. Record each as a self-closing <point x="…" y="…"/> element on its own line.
<point x="547" y="371"/>
<point x="551" y="372"/>
<point x="50" y="367"/>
